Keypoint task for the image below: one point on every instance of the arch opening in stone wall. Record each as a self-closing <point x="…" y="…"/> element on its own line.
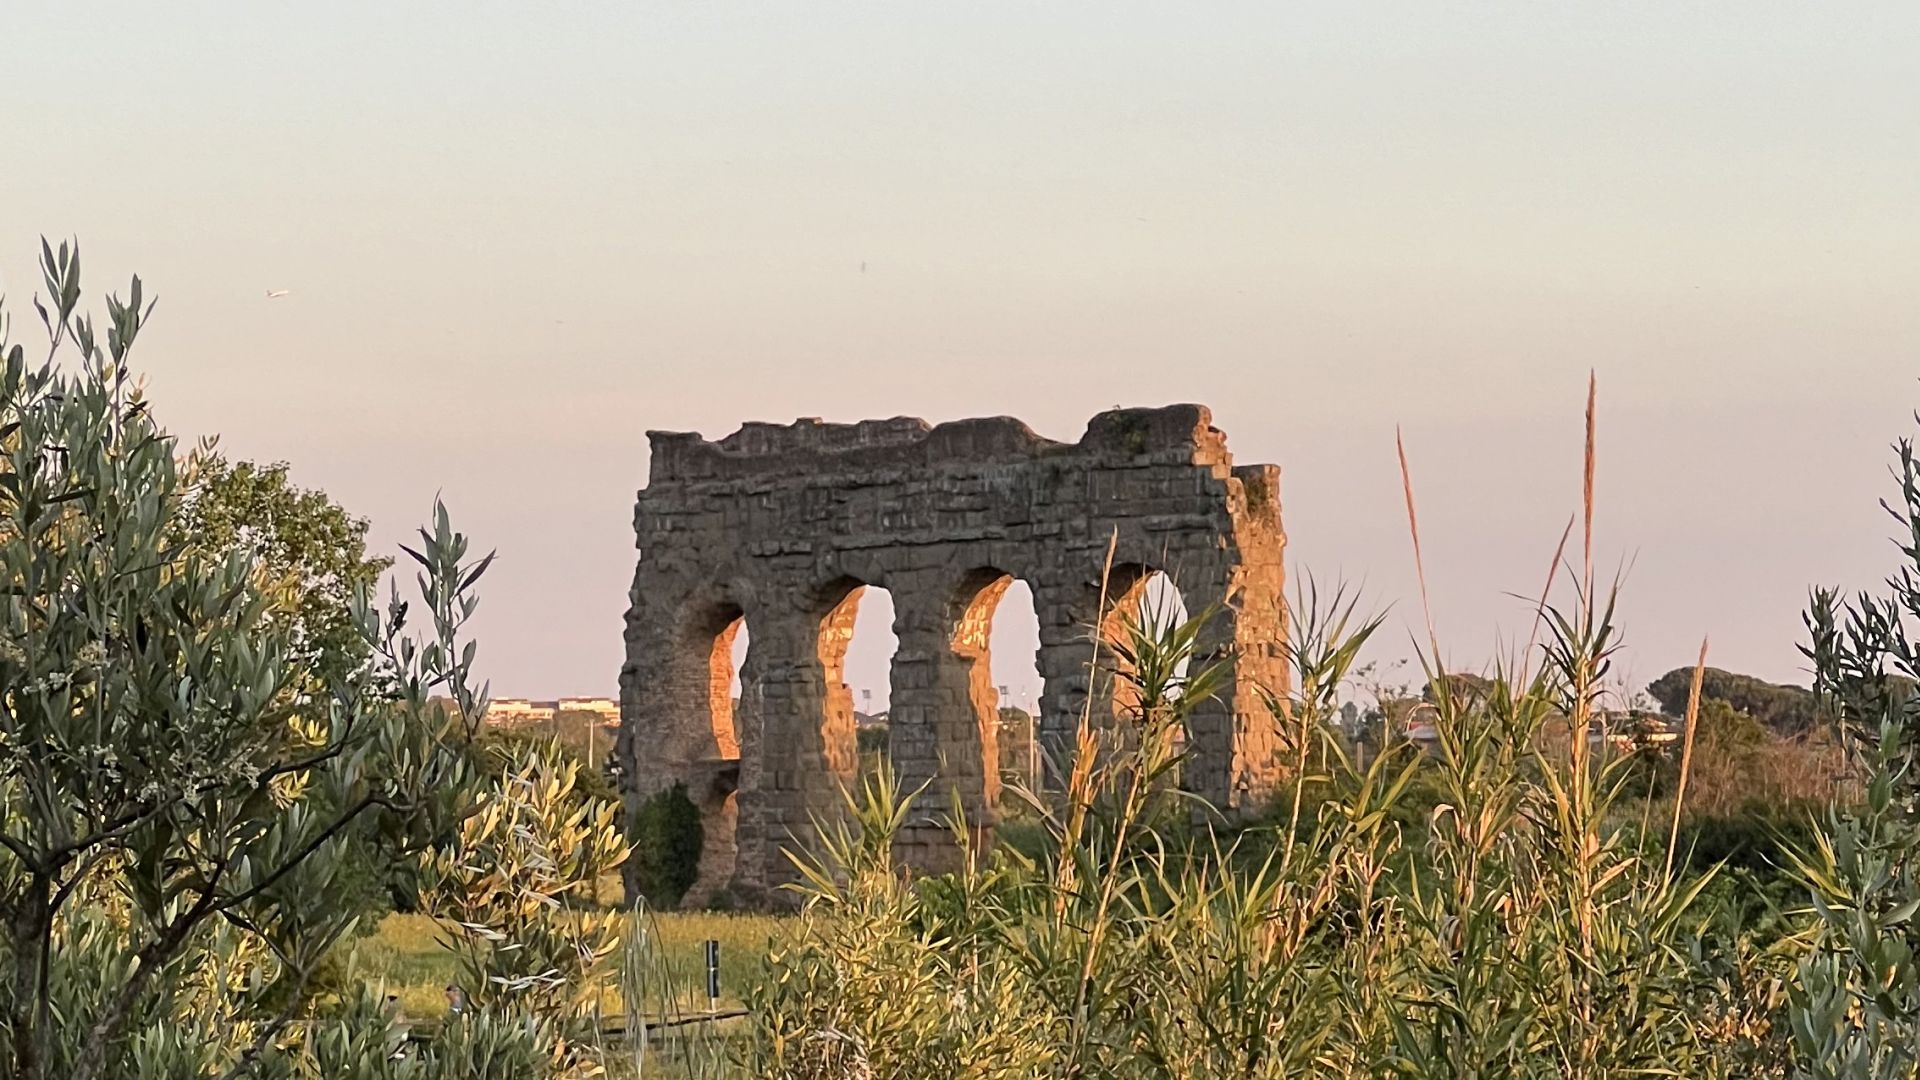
<point x="948" y="719"/>
<point x="736" y="661"/>
<point x="1161" y="609"/>
<point x="726" y="653"/>
<point x="1013" y="657"/>
<point x="1144" y="596"/>
<point x="857" y="647"/>
<point x="978" y="770"/>
<point x="1144" y="601"/>
<point x="717" y="636"/>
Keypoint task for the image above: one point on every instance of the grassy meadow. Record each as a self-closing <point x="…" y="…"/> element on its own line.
<point x="407" y="958"/>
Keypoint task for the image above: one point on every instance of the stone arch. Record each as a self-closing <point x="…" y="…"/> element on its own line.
<point x="975" y="601"/>
<point x="714" y="633"/>
<point x="797" y="753"/>
<point x="711" y="632"/>
<point x="1014" y="661"/>
<point x="795" y="518"/>
<point x="1145" y="595"/>
<point x="838" y="602"/>
<point x="830" y="648"/>
<point x="945" y="711"/>
<point x="685" y="705"/>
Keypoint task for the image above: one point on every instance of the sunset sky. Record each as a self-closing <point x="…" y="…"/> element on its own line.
<point x="513" y="242"/>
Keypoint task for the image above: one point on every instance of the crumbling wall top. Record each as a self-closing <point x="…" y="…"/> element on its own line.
<point x="1171" y="434"/>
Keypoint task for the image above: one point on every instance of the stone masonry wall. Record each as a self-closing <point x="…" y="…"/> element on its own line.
<point x="783" y="525"/>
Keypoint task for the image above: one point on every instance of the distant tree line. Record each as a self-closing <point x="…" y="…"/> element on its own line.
<point x="1782" y="709"/>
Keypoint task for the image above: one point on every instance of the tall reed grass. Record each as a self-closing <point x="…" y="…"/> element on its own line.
<point x="1513" y="928"/>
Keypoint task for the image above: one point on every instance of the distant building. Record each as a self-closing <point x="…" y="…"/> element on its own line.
<point x="1419" y="725"/>
<point x="606" y="709"/>
<point x="1625" y="732"/>
<point x="514" y="712"/>
<point x="1630" y="731"/>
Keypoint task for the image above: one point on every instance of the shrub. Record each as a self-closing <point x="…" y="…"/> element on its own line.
<point x="499" y="748"/>
<point x="1758" y="837"/>
<point x="667" y="840"/>
<point x="1740" y="765"/>
<point x="529" y="851"/>
<point x="871" y="740"/>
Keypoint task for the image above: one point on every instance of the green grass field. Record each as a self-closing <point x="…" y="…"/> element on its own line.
<point x="405" y="957"/>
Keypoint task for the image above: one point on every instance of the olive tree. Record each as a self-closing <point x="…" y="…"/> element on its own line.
<point x="163" y="789"/>
<point x="1855" y="1011"/>
<point x="309" y="553"/>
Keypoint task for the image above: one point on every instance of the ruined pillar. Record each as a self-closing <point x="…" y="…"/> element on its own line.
<point x="1246" y="577"/>
<point x="1234" y="759"/>
<point x="796" y="753"/>
<point x="943" y="715"/>
<point x="1067" y="605"/>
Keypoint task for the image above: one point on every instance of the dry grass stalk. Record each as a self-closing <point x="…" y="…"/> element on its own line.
<point x="1099" y="621"/>
<point x="1686" y="754"/>
<point x="1587" y="493"/>
<point x="1081" y="777"/>
<point x="1413" y="526"/>
<point x="1583" y="709"/>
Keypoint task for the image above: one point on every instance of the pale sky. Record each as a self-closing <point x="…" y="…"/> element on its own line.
<point x="514" y="241"/>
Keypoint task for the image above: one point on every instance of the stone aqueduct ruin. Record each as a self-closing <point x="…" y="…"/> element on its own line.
<point x="781" y="527"/>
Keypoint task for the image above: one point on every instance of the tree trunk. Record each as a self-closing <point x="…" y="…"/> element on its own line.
<point x="30" y="930"/>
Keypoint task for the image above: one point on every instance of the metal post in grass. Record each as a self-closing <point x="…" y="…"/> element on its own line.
<point x="713" y="976"/>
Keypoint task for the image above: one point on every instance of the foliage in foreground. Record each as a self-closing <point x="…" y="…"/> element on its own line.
<point x="513" y="885"/>
<point x="1531" y="939"/>
<point x="180" y="796"/>
<point x="185" y="787"/>
<point x="208" y="733"/>
<point x="204" y="741"/>
<point x="1531" y="921"/>
<point x="1857" y="1005"/>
